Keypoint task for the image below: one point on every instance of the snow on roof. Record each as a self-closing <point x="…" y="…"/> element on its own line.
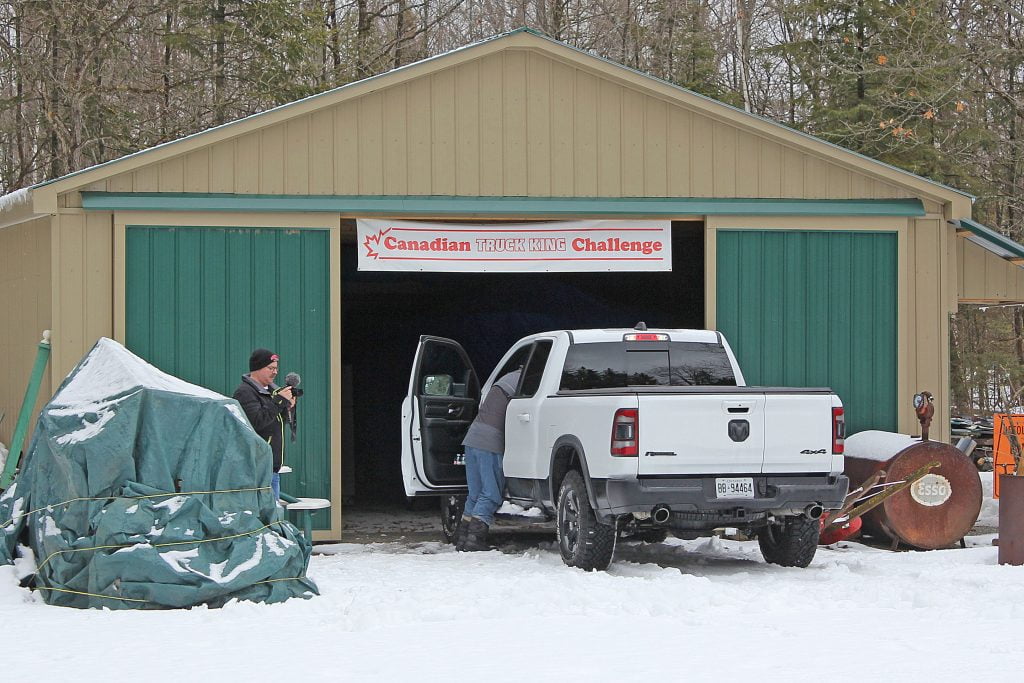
<point x="14" y="198"/>
<point x="111" y="369"/>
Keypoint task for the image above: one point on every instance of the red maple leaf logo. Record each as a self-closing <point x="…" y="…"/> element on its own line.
<point x="373" y="241"/>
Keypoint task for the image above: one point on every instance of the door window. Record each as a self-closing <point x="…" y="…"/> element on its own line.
<point x="515" y="361"/>
<point x="535" y="368"/>
<point x="444" y="371"/>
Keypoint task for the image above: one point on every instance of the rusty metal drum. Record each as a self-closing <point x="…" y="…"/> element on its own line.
<point x="934" y="512"/>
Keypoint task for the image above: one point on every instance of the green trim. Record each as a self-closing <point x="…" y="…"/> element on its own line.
<point x="989" y="239"/>
<point x="498" y="206"/>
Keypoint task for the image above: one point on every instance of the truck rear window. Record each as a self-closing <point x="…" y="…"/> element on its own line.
<point x="612" y="365"/>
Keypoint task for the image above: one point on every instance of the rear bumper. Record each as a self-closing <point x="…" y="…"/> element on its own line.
<point x="694" y="504"/>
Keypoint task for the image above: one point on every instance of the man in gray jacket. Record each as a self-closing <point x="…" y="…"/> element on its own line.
<point x="485" y="446"/>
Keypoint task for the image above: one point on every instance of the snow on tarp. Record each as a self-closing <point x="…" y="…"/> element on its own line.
<point x="140" y="490"/>
<point x="877" y="445"/>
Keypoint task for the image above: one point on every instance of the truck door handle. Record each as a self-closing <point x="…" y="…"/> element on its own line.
<point x="734" y="407"/>
<point x="524" y="417"/>
<point x="454" y="410"/>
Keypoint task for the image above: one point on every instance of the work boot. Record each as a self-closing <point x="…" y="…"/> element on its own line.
<point x="461" y="530"/>
<point x="476" y="536"/>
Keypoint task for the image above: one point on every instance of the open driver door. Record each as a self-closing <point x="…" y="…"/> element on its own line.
<point x="442" y="400"/>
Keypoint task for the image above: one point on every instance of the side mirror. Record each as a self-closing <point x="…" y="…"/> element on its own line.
<point x="437" y="385"/>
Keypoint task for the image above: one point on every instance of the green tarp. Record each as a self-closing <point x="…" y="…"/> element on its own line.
<point x="140" y="490"/>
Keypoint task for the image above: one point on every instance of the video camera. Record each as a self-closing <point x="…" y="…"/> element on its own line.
<point x="292" y="380"/>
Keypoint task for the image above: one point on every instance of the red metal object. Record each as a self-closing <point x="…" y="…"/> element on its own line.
<point x="934" y="512"/>
<point x="1011" y="519"/>
<point x="835" y="533"/>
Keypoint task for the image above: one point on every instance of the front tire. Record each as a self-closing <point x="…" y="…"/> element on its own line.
<point x="791" y="543"/>
<point x="583" y="541"/>
<point x="451" y="516"/>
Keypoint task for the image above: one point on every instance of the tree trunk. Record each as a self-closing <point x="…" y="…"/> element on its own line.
<point x="219" y="80"/>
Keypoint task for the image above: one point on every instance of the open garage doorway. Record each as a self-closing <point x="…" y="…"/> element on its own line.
<point x="384" y="314"/>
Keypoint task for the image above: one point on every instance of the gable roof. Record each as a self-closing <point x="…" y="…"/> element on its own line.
<point x="43" y="196"/>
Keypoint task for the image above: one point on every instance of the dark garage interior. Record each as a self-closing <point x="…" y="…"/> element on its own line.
<point x="384" y="313"/>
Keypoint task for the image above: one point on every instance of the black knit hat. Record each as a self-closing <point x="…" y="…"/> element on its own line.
<point x="260" y="359"/>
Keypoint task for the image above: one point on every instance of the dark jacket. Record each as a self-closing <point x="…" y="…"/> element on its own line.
<point x="487" y="432"/>
<point x="267" y="413"/>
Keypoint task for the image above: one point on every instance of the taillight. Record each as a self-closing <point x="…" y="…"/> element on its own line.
<point x="625" y="430"/>
<point x="838" y="431"/>
<point x="645" y="336"/>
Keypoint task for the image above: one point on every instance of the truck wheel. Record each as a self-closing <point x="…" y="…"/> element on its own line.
<point x="791" y="543"/>
<point x="451" y="516"/>
<point x="582" y="540"/>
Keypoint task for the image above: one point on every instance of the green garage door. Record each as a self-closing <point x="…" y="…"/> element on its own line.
<point x="198" y="300"/>
<point x="804" y="308"/>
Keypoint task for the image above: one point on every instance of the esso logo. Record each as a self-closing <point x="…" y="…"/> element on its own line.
<point x="931" y="490"/>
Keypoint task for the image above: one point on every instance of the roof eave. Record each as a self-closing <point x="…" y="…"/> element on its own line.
<point x="17" y="207"/>
<point x="991" y="240"/>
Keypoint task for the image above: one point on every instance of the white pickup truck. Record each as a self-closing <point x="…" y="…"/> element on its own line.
<point x="633" y="432"/>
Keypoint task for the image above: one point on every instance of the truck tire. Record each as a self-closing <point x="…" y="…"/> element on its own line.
<point x="451" y="516"/>
<point x="791" y="543"/>
<point x="582" y="540"/>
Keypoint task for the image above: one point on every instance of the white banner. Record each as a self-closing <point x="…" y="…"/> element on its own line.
<point x="568" y="246"/>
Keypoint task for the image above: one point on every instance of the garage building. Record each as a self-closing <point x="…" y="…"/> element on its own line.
<point x="821" y="266"/>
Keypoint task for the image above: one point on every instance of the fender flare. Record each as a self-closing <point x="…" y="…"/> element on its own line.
<point x="576" y="445"/>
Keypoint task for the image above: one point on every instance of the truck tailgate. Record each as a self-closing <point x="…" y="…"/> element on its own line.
<point x="747" y="431"/>
<point x="798" y="435"/>
<point x="684" y="434"/>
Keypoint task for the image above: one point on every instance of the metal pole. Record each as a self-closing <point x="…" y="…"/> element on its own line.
<point x="31" y="392"/>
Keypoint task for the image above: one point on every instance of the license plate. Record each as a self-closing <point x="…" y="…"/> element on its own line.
<point x="735" y="487"/>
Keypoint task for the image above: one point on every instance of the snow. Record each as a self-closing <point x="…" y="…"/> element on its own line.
<point x="172" y="505"/>
<point x="411" y="608"/>
<point x="88" y="430"/>
<point x="877" y="445"/>
<point x="13" y="199"/>
<point x="179" y="560"/>
<point x="3" y="455"/>
<point x="111" y="369"/>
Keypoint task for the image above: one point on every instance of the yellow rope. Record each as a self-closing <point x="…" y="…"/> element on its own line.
<point x="91" y="595"/>
<point x="130" y="545"/>
<point x="12" y="520"/>
<point x="154" y="545"/>
<point x="288" y="578"/>
<point x="114" y="597"/>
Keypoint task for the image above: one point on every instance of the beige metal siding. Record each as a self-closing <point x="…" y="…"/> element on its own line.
<point x="83" y="293"/>
<point x="986" y="278"/>
<point x="25" y="312"/>
<point x="925" y="319"/>
<point x="512" y="123"/>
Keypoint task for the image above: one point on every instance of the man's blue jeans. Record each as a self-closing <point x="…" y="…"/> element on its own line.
<point x="486" y="481"/>
<point x="275" y="486"/>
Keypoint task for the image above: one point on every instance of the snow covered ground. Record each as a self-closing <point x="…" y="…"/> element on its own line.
<point x="414" y="609"/>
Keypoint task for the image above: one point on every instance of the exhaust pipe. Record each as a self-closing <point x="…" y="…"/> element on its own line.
<point x="814" y="511"/>
<point x="661" y="514"/>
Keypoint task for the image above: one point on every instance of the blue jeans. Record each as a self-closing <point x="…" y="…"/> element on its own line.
<point x="275" y="486"/>
<point x="486" y="480"/>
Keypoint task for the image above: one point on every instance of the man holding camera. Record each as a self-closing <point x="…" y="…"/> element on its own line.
<point x="267" y="406"/>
